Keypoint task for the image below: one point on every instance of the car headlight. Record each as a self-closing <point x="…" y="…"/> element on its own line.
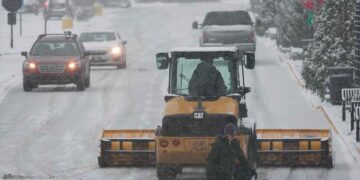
<point x="30" y="65"/>
<point x="116" y="51"/>
<point x="74" y="65"/>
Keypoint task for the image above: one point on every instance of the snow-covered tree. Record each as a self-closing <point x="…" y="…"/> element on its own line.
<point x="291" y="23"/>
<point x="333" y="46"/>
<point x="287" y="16"/>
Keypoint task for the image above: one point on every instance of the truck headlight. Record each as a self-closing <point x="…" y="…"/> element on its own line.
<point x="116" y="51"/>
<point x="30" y="65"/>
<point x="73" y="65"/>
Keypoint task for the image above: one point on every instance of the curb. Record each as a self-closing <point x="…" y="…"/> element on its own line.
<point x="8" y="54"/>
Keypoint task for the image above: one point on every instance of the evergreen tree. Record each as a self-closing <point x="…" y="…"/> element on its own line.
<point x="333" y="46"/>
<point x="291" y="24"/>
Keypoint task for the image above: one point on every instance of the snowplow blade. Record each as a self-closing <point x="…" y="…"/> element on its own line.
<point x="294" y="147"/>
<point x="127" y="148"/>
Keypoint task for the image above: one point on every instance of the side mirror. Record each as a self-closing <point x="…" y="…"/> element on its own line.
<point x="195" y="25"/>
<point x="24" y="53"/>
<point x="123" y="42"/>
<point x="250" y="60"/>
<point x="162" y="60"/>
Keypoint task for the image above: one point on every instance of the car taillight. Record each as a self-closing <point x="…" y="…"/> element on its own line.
<point x="205" y="37"/>
<point x="164" y="143"/>
<point x="46" y="4"/>
<point x="252" y="36"/>
<point x="176" y="142"/>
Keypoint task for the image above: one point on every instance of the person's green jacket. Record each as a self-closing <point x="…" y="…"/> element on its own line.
<point x="222" y="157"/>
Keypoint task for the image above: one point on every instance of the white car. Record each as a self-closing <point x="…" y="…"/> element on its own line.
<point x="107" y="45"/>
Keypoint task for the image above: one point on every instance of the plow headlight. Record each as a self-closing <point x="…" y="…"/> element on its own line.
<point x="116" y="51"/>
<point x="164" y="143"/>
<point x="176" y="142"/>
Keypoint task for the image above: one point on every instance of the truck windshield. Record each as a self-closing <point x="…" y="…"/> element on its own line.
<point x="203" y="74"/>
<point x="55" y="49"/>
<point x="97" y="37"/>
<point x="227" y="18"/>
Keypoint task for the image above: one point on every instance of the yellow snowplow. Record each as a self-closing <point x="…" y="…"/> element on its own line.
<point x="274" y="147"/>
<point x="127" y="148"/>
<point x="294" y="147"/>
<point x="191" y="123"/>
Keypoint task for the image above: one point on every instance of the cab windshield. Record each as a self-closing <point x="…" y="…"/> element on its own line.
<point x="64" y="48"/>
<point x="227" y="18"/>
<point x="203" y="74"/>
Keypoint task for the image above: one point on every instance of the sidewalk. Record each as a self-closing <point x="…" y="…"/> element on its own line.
<point x="332" y="113"/>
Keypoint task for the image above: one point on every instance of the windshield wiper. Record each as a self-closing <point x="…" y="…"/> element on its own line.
<point x="184" y="77"/>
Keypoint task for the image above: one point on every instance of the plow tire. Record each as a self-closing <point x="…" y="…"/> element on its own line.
<point x="102" y="163"/>
<point x="165" y="172"/>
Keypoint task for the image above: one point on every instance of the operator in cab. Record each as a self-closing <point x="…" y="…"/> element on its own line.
<point x="226" y="160"/>
<point x="206" y="80"/>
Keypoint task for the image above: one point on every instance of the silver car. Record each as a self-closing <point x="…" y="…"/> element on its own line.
<point x="229" y="28"/>
<point x="108" y="46"/>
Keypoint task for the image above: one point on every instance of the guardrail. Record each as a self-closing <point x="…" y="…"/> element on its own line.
<point x="357" y="117"/>
<point x="347" y="95"/>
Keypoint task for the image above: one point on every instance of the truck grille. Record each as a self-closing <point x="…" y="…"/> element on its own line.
<point x="229" y="37"/>
<point x="51" y="68"/>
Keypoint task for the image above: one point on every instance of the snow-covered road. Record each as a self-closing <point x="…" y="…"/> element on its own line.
<point x="53" y="132"/>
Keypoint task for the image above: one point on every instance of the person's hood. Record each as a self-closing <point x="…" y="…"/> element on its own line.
<point x="100" y="46"/>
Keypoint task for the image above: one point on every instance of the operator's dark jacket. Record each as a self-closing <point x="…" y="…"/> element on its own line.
<point x="221" y="159"/>
<point x="206" y="81"/>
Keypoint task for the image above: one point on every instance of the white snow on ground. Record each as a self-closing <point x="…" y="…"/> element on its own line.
<point x="344" y="138"/>
<point x="54" y="131"/>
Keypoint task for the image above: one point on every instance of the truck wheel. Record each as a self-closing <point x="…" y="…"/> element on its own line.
<point x="121" y="66"/>
<point x="250" y="61"/>
<point x="87" y="81"/>
<point x="27" y="86"/>
<point x="81" y="84"/>
<point x="165" y="172"/>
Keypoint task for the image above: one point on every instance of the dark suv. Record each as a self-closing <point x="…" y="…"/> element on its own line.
<point x="56" y="59"/>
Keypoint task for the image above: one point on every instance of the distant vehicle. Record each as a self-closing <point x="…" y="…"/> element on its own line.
<point x="229" y="28"/>
<point x="84" y="13"/>
<point x="57" y="9"/>
<point x="117" y="3"/>
<point x="30" y="6"/>
<point x="296" y="53"/>
<point x="56" y="59"/>
<point x="108" y="46"/>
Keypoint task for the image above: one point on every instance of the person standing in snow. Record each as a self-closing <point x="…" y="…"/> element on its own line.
<point x="226" y="157"/>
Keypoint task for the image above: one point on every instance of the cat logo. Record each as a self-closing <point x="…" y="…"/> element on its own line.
<point x="200" y="145"/>
<point x="199" y="115"/>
